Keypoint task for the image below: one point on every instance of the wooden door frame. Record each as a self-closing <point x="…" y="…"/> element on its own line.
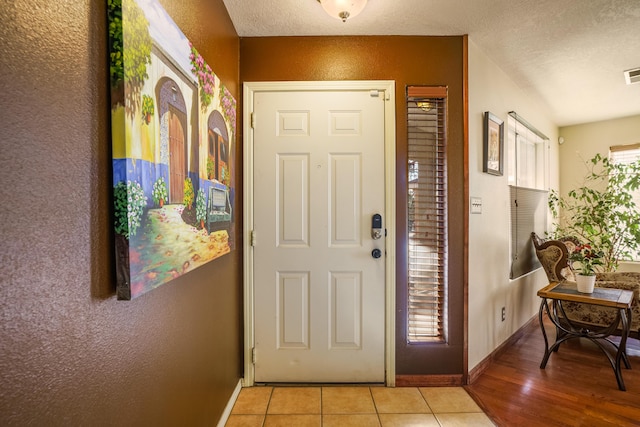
<point x="385" y="88"/>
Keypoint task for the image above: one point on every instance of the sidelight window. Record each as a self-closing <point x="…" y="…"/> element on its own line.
<point x="427" y="214"/>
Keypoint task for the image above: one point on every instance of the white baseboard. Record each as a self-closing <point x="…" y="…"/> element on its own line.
<point x="230" y="403"/>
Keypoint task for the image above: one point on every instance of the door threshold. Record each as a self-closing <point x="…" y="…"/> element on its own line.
<point x="319" y="384"/>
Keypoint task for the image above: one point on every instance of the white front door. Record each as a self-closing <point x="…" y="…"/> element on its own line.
<point x="319" y="292"/>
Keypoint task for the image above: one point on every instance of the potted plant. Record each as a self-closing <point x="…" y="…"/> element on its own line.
<point x="602" y="212"/>
<point x="587" y="258"/>
<point x="188" y="193"/>
<point x="225" y="177"/>
<point x="201" y="207"/>
<point x="211" y="168"/>
<point x="159" y="192"/>
<point x="147" y="108"/>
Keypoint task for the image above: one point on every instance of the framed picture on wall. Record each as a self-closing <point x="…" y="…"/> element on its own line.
<point x="493" y="147"/>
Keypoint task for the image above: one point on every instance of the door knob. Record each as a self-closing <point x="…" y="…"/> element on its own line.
<point x="376" y="253"/>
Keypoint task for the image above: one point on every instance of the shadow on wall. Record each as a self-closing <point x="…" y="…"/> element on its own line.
<point x="102" y="247"/>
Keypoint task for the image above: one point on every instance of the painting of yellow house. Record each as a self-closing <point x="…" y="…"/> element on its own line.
<point x="173" y="129"/>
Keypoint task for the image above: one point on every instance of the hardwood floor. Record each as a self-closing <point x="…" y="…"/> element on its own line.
<point x="577" y="387"/>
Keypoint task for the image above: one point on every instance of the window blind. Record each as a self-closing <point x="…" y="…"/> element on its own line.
<point x="627" y="154"/>
<point x="528" y="213"/>
<point x="427" y="214"/>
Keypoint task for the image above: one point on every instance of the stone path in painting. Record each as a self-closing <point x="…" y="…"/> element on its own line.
<point x="169" y="248"/>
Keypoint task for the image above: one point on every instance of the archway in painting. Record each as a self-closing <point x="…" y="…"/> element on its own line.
<point x="218" y="152"/>
<point x="173" y="136"/>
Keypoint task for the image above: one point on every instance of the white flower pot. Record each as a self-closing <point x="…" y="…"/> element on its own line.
<point x="585" y="283"/>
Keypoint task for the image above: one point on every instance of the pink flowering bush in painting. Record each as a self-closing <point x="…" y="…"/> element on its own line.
<point x="205" y="76"/>
<point x="228" y="105"/>
<point x="207" y="84"/>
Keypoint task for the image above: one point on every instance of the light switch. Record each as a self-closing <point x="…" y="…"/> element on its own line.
<point x="476" y="205"/>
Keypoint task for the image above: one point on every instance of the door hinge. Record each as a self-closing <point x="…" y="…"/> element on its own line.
<point x="253" y="355"/>
<point x="253" y="237"/>
<point x="253" y="120"/>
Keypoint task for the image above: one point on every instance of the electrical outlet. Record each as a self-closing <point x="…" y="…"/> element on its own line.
<point x="504" y="314"/>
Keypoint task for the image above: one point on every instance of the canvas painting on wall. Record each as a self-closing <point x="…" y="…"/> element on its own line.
<point x="173" y="130"/>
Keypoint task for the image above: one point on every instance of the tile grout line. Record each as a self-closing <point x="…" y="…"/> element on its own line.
<point x="321" y="410"/>
<point x="426" y="401"/>
<point x="375" y="406"/>
<point x="266" y="411"/>
<point x="430" y="408"/>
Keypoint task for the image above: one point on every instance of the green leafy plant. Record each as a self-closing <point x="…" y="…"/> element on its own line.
<point x="225" y="177"/>
<point x="148" y="108"/>
<point x="188" y="193"/>
<point x="129" y="201"/>
<point x="136" y="53"/>
<point x="116" y="67"/>
<point x="159" y="192"/>
<point x="211" y="168"/>
<point x="201" y="206"/>
<point x="602" y="212"/>
<point x="587" y="258"/>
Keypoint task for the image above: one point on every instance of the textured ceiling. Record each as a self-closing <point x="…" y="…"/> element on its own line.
<point x="569" y="55"/>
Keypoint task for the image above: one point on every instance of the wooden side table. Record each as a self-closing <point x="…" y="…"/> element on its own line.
<point x="559" y="292"/>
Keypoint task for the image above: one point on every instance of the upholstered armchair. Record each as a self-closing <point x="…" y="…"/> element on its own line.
<point x="554" y="257"/>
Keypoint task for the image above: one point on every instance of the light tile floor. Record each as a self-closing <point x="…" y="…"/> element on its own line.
<point x="361" y="406"/>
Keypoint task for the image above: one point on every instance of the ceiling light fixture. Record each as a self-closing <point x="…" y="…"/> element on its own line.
<point x="343" y="9"/>
<point x="425" y="105"/>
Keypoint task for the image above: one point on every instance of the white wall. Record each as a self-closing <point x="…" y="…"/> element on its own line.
<point x="582" y="142"/>
<point x="490" y="289"/>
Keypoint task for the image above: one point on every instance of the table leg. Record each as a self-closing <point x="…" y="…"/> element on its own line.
<point x="543" y="306"/>
<point x="560" y="333"/>
<point x="625" y="317"/>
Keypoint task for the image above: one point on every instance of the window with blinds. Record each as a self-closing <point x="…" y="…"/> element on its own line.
<point x="427" y="214"/>
<point x="527" y="172"/>
<point x="627" y="154"/>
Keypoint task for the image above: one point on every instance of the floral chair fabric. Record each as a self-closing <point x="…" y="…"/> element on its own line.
<point x="554" y="256"/>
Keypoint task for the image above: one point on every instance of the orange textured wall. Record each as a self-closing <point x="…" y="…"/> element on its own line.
<point x="70" y="354"/>
<point x="408" y="60"/>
